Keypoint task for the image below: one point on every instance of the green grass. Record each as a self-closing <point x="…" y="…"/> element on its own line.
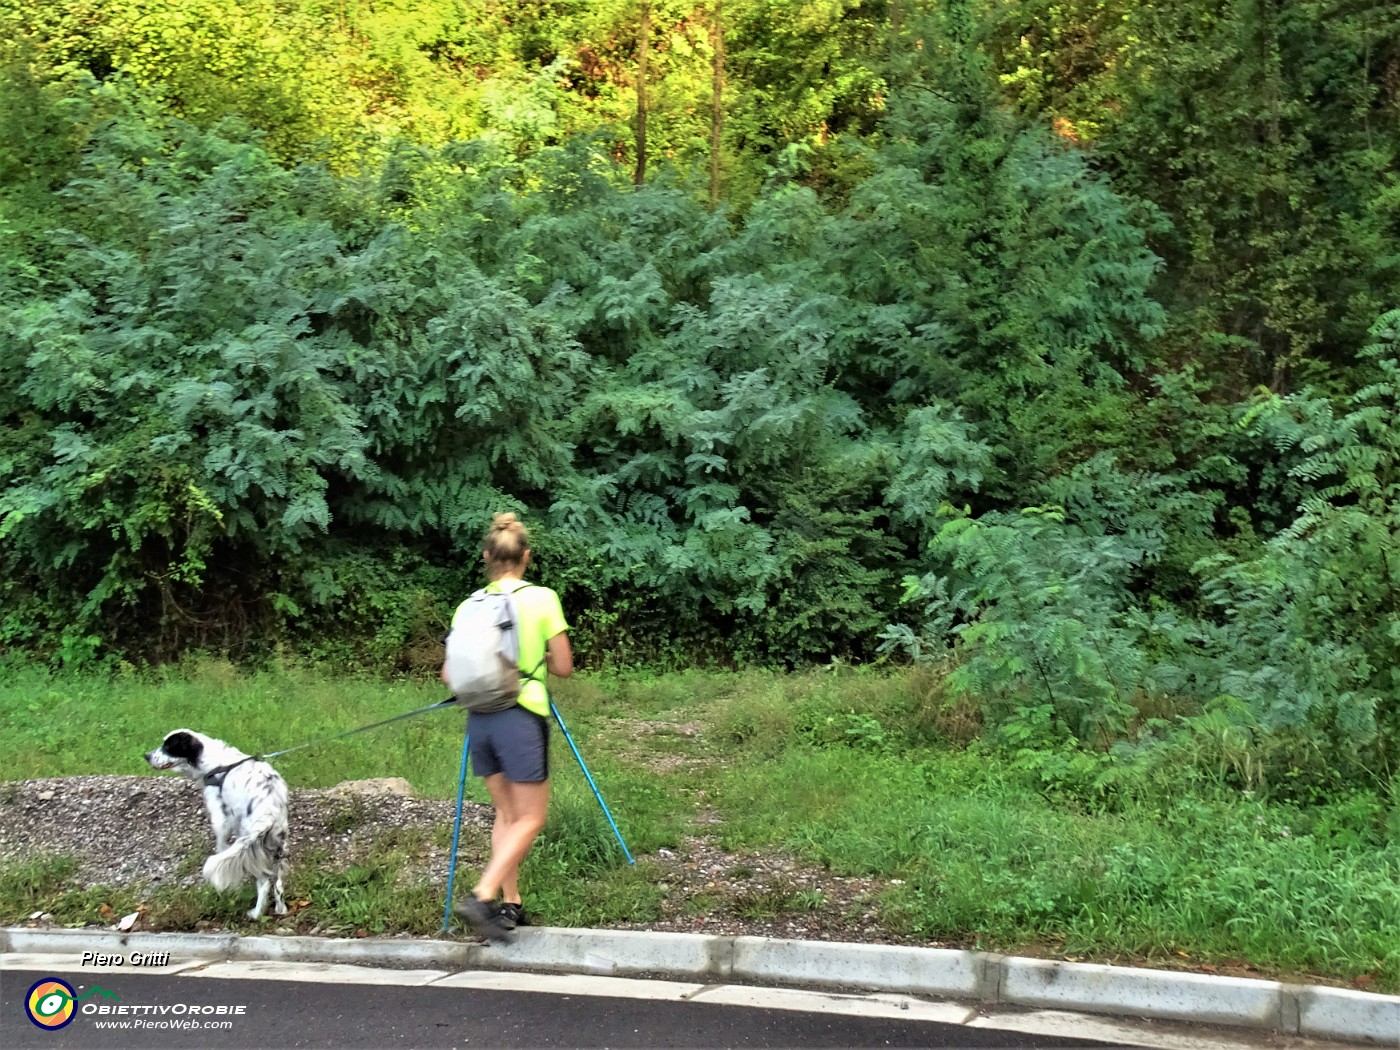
<point x="983" y="860"/>
<point x="862" y="772"/>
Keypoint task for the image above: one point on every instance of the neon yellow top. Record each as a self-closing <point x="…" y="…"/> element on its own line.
<point x="539" y="617"/>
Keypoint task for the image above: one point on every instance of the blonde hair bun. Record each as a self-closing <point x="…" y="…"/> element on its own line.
<point x="504" y="544"/>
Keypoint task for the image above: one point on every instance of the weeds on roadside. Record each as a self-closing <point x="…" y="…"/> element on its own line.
<point x="349" y="814"/>
<point x="30" y="884"/>
<point x="767" y="902"/>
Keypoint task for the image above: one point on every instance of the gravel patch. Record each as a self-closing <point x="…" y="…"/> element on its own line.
<point x="770" y="894"/>
<point x="154" y="831"/>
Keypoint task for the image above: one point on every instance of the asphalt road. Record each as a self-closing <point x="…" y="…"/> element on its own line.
<point x="280" y="1014"/>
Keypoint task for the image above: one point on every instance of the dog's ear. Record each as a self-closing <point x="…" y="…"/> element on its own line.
<point x="184" y="745"/>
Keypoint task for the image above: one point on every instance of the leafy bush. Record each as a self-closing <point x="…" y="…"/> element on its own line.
<point x="1286" y="670"/>
<point x="253" y="404"/>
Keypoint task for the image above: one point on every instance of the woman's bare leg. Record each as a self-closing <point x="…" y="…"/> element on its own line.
<point x="501" y="799"/>
<point x="526" y="806"/>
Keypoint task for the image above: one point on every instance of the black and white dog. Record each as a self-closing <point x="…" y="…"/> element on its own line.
<point x="247" y="804"/>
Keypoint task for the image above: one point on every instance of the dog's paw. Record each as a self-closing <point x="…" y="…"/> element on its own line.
<point x="255" y="914"/>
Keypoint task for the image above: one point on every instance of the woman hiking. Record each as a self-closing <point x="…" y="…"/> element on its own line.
<point x="510" y="748"/>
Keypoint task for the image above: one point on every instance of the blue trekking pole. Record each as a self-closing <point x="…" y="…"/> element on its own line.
<point x="456" y="833"/>
<point x="596" y="793"/>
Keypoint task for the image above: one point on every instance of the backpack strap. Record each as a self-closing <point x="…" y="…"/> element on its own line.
<point x="530" y="676"/>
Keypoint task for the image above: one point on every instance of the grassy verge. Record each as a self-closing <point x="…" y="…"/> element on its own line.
<point x="1067" y="853"/>
<point x="862" y="773"/>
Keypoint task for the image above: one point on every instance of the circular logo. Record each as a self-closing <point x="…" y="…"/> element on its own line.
<point x="49" y="1003"/>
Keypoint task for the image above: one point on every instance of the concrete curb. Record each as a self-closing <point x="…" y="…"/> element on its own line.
<point x="886" y="968"/>
<point x="1148" y="993"/>
<point x="1309" y="1010"/>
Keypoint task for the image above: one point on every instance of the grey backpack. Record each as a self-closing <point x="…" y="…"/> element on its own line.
<point x="483" y="652"/>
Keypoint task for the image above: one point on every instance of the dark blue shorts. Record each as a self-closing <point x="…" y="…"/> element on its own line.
<point x="514" y="742"/>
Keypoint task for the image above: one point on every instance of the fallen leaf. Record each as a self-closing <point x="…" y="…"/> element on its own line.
<point x="128" y="921"/>
<point x="105" y="910"/>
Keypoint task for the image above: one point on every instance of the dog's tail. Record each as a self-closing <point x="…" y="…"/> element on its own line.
<point x="258" y="852"/>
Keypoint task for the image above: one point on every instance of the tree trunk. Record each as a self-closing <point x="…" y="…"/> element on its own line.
<point x="643" y="55"/>
<point x="717" y="91"/>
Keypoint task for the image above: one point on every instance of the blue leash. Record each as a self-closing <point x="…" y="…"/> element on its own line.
<point x="373" y="725"/>
<point x="215" y="777"/>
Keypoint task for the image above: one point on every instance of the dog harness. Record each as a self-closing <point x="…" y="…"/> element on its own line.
<point x="215" y="777"/>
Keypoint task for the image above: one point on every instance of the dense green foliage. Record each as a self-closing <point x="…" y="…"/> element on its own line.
<point x="232" y="376"/>
<point x="1072" y="315"/>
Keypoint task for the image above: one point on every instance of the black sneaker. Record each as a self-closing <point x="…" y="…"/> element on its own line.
<point x="482" y="919"/>
<point x="510" y="915"/>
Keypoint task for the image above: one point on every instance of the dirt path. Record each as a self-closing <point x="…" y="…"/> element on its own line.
<point x="712" y="890"/>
